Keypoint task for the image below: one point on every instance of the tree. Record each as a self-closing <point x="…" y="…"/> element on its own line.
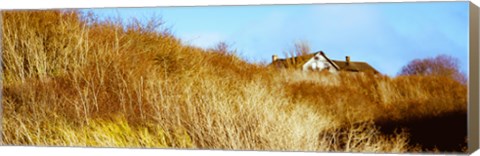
<point x="441" y="65"/>
<point x="299" y="48"/>
<point x="222" y="47"/>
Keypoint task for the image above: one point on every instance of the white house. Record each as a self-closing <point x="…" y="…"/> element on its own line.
<point x="319" y="62"/>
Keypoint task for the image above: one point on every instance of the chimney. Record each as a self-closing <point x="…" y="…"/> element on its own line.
<point x="274" y="58"/>
<point x="347" y="58"/>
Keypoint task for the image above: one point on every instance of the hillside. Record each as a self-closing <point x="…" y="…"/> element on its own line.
<point x="70" y="79"/>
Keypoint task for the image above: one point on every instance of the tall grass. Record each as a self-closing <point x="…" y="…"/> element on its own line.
<point x="72" y="80"/>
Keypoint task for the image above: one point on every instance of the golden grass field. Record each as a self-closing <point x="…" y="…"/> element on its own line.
<point x="70" y="79"/>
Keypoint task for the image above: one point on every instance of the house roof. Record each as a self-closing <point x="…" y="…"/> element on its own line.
<point x="293" y="62"/>
<point x="355" y="66"/>
<point x="299" y="61"/>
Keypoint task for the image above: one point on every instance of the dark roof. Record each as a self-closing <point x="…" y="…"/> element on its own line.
<point x="330" y="61"/>
<point x="295" y="62"/>
<point x="355" y="66"/>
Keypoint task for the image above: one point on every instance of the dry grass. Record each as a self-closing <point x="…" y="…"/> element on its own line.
<point x="73" y="80"/>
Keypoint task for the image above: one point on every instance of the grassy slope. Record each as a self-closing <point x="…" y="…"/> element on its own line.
<point x="72" y="80"/>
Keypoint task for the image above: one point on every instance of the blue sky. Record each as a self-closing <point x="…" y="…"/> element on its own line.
<point x="386" y="35"/>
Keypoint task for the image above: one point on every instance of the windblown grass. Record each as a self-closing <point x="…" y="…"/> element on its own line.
<point x="72" y="80"/>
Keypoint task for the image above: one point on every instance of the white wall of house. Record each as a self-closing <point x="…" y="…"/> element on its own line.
<point x="318" y="63"/>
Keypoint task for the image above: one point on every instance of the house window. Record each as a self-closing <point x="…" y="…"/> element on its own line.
<point x="326" y="65"/>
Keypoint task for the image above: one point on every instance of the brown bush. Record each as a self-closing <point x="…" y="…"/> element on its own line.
<point x="441" y="65"/>
<point x="70" y="79"/>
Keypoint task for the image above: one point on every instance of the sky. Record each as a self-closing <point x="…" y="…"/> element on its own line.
<point x="385" y="35"/>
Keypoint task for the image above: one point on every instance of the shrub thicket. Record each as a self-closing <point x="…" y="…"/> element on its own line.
<point x="70" y="79"/>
